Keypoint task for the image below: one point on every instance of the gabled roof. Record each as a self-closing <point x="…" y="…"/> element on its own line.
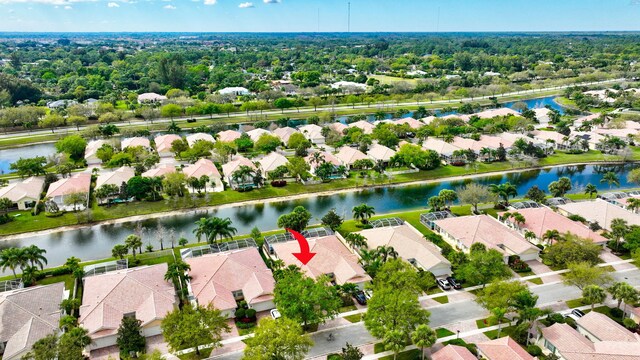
<point x="413" y="123"/>
<point x="574" y="346"/>
<point x="116" y="177"/>
<point x="256" y="133"/>
<point x="366" y="126"/>
<point x="331" y="257"/>
<point x="540" y="220"/>
<point x="92" y="147"/>
<point x="408" y="243"/>
<point x="272" y="161"/>
<point x="311" y="131"/>
<point x="549" y="136"/>
<point x="30" y="188"/>
<point x="504" y="348"/>
<point x="486" y="230"/>
<point x="327" y="156"/>
<point x="200" y="168"/>
<point x="338" y="127"/>
<point x="229" y="168"/>
<point x="163" y="142"/>
<point x="565" y="338"/>
<point x="135" y="141"/>
<point x="491" y="113"/>
<point x="108" y="297"/>
<point x="284" y="133"/>
<point x="349" y="155"/>
<point x="78" y="183"/>
<point x="601" y="211"/>
<point x="191" y="139"/>
<point x="380" y="152"/>
<point x="604" y="328"/>
<point x="215" y="276"/>
<point x="161" y="170"/>
<point x="27" y="315"/>
<point x="439" y="146"/>
<point x="453" y="352"/>
<point x="228" y="135"/>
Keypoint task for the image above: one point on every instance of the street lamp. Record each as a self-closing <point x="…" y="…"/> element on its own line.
<point x="458" y="336"/>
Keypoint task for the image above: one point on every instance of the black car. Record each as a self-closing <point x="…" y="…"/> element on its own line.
<point x="454" y="283"/>
<point x="360" y="298"/>
<point x="577" y="312"/>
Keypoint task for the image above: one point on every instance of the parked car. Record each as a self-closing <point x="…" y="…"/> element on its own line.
<point x="443" y="284"/>
<point x="360" y="298"/>
<point x="275" y="314"/>
<point x="368" y="294"/>
<point x="454" y="283"/>
<point x="577" y="312"/>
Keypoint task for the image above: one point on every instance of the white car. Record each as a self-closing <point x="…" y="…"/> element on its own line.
<point x="275" y="314"/>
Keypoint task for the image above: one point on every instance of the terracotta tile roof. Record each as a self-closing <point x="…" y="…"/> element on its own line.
<point x="380" y="152"/>
<point x="366" y="126"/>
<point x="408" y="243"/>
<point x="328" y="157"/>
<point x="28" y="189"/>
<point x="601" y="211"/>
<point x="135" y="141"/>
<point x="349" y="155"/>
<point x="487" y="230"/>
<point x="272" y="161"/>
<point x="574" y="346"/>
<point x="92" y="147"/>
<point x="439" y="146"/>
<point x="284" y="133"/>
<point x="311" y="131"/>
<point x="80" y="182"/>
<point x="163" y="142"/>
<point x="216" y="276"/>
<point x="228" y="135"/>
<point x="453" y="352"/>
<point x="539" y="220"/>
<point x="491" y="113"/>
<point x="504" y="348"/>
<point x="116" y="177"/>
<point x="229" y="168"/>
<point x="193" y="138"/>
<point x="256" y="133"/>
<point x="331" y="257"/>
<point x="202" y="167"/>
<point x="27" y="315"/>
<point x="605" y="329"/>
<point x="108" y="297"/>
<point x="566" y="339"/>
<point x="413" y="123"/>
<point x="338" y="127"/>
<point x="161" y="170"/>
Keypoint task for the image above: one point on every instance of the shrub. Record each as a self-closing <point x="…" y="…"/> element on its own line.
<point x="278" y="183"/>
<point x="54" y="215"/>
<point x="534" y="350"/>
<point x="570" y="322"/>
<point x="250" y="313"/>
<point x="240" y="313"/>
<point x="191" y="120"/>
<point x="245" y="325"/>
<point x="553" y="319"/>
<point x="577" y="218"/>
<point x="616" y="313"/>
<point x="629" y="324"/>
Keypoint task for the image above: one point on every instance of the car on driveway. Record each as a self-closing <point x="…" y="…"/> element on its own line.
<point x="275" y="314"/>
<point x="443" y="284"/>
<point x="454" y="283"/>
<point x="577" y="312"/>
<point x="360" y="298"/>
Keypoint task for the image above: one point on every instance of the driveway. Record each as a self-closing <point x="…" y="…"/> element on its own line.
<point x="539" y="268"/>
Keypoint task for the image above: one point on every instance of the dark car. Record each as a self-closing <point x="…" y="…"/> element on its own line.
<point x="454" y="283"/>
<point x="360" y="298"/>
<point x="444" y="284"/>
<point x="577" y="312"/>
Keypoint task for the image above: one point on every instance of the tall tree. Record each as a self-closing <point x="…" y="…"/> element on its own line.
<point x="584" y="274"/>
<point x="130" y="339"/>
<point x="297" y="220"/>
<point x="611" y="179"/>
<point x="475" y="194"/>
<point x="423" y="337"/>
<point x="280" y="339"/>
<point x="193" y="327"/>
<point x="594" y="294"/>
<point x="484" y="267"/>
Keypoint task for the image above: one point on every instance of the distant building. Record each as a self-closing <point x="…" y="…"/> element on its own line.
<point x="163" y="144"/>
<point x="313" y="133"/>
<point x="24" y="194"/>
<point x="236" y="91"/>
<point x="78" y="183"/>
<point x="136" y="141"/>
<point x="228" y="135"/>
<point x="151" y="97"/>
<point x="91" y="151"/>
<point x="204" y="167"/>
<point x="349" y="86"/>
<point x="60" y="104"/>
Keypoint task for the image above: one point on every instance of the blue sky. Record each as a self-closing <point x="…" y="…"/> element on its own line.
<point x="302" y="15"/>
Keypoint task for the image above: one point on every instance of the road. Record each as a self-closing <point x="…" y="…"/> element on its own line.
<point x="72" y="129"/>
<point x="446" y="314"/>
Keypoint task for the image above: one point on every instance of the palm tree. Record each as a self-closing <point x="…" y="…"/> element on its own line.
<point x="633" y="204"/>
<point x="529" y="235"/>
<point x="594" y="294"/>
<point x="12" y="258"/>
<point x="363" y="212"/>
<point x="242" y="175"/>
<point x="35" y="256"/>
<point x="499" y="315"/>
<point x="356" y="240"/>
<point x="504" y="191"/>
<point x="423" y="337"/>
<point x="590" y="190"/>
<point x="610" y="178"/>
<point x="619" y="228"/>
<point x="177" y="273"/>
<point x="214" y="227"/>
<point x="518" y="219"/>
<point x="119" y="251"/>
<point x="622" y="291"/>
<point x="200" y="228"/>
<point x="386" y="252"/>
<point x="156" y="186"/>
<point x="551" y="235"/>
<point x="133" y="242"/>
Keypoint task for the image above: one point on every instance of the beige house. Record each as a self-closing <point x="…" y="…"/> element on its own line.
<point x="140" y="292"/>
<point x="193" y="138"/>
<point x="348" y="156"/>
<point x="163" y="144"/>
<point x="379" y="152"/>
<point x="24" y="194"/>
<point x="90" y="152"/>
<point x="313" y="133"/>
<point x="272" y="162"/>
<point x="115" y="177"/>
<point x="363" y="125"/>
<point x="205" y="167"/>
<point x="413" y="123"/>
<point x="223" y="279"/>
<point x="228" y="135"/>
<point x="502" y="349"/>
<point x="160" y="170"/>
<point x="59" y="190"/>
<point x="599" y="211"/>
<point x="231" y="167"/>
<point x="284" y="133"/>
<point x="135" y="141"/>
<point x="256" y="133"/>
<point x="453" y="352"/>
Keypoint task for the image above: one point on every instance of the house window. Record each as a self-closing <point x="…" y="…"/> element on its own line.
<point x="130" y="315"/>
<point x="238" y="295"/>
<point x="549" y="346"/>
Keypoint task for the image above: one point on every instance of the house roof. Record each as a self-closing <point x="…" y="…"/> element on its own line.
<point x="549" y="136"/>
<point x="541" y="219"/>
<point x="413" y="123"/>
<point x="77" y="183"/>
<point x="28" y="189"/>
<point x="601" y="211"/>
<point x="151" y="97"/>
<point x="116" y="177"/>
<point x="163" y="142"/>
<point x="409" y="244"/>
<point x="348" y="155"/>
<point x="574" y="346"/>
<point x="92" y="147"/>
<point x="486" y="230"/>
<point x="284" y="133"/>
<point x="366" y="126"/>
<point x="491" y="113"/>
<point x="27" y="315"/>
<point x="215" y="276"/>
<point x="566" y="339"/>
<point x="161" y="170"/>
<point x="228" y="135"/>
<point x="108" y="297"/>
<point x="338" y="126"/>
<point x="331" y="257"/>
<point x="256" y="133"/>
<point x="327" y="156"/>
<point x="229" y="168"/>
<point x="272" y="161"/>
<point x="439" y="146"/>
<point x="380" y="152"/>
<point x="311" y="131"/>
<point x="604" y="328"/>
<point x="191" y="139"/>
<point x="504" y="348"/>
<point x="200" y="168"/>
<point x="135" y="141"/>
<point x="453" y="352"/>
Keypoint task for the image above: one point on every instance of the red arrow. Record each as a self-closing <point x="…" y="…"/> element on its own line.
<point x="304" y="255"/>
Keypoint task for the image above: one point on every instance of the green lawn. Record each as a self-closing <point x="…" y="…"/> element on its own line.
<point x="505" y="331"/>
<point x="483" y="323"/>
<point x="354" y="318"/>
<point x="405" y="355"/>
<point x="574" y="303"/>
<point x="442" y="332"/>
<point x="536" y="281"/>
<point x="442" y="299"/>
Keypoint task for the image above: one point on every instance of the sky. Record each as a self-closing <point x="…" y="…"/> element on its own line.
<point x="318" y="15"/>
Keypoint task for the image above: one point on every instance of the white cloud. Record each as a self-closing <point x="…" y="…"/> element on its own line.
<point x="113" y="5"/>
<point x="169" y="7"/>
<point x="272" y="1"/>
<point x="246" y="5"/>
<point x="210" y="2"/>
